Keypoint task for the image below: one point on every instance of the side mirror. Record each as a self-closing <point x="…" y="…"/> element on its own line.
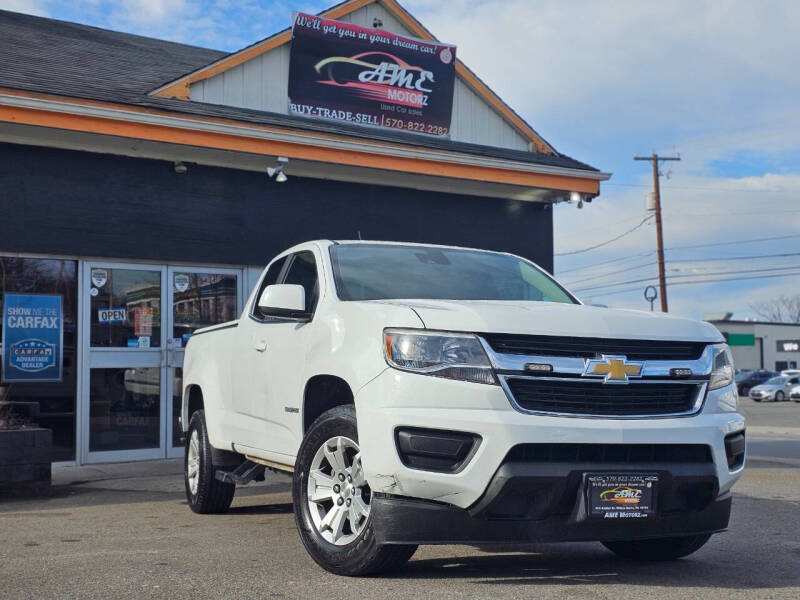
<point x="285" y="301"/>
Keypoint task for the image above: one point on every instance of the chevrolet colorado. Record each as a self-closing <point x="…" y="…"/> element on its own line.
<point x="436" y="395"/>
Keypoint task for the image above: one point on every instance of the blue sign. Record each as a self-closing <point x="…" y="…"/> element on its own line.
<point x="33" y="337"/>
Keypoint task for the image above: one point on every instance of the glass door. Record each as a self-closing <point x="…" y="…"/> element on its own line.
<point x="198" y="297"/>
<point x="138" y="319"/>
<point x="125" y="366"/>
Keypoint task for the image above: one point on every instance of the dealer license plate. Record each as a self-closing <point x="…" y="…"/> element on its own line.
<point x="621" y="495"/>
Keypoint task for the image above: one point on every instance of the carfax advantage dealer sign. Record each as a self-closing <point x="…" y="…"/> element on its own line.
<point x="343" y="72"/>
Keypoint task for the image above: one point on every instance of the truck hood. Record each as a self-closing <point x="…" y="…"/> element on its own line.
<point x="557" y="319"/>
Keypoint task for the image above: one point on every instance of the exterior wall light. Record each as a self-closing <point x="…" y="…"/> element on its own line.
<point x="277" y="171"/>
<point x="179" y="167"/>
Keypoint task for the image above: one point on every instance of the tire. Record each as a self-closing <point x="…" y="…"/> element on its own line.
<point x="341" y="541"/>
<point x="780" y="396"/>
<point x="206" y="494"/>
<point x="658" y="549"/>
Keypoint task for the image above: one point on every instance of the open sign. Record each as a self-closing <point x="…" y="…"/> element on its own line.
<point x="111" y="315"/>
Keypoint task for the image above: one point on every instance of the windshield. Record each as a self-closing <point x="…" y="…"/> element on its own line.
<point x="383" y="271"/>
<point x="777" y="381"/>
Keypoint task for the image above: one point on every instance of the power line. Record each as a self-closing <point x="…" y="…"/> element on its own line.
<point x="606" y="262"/>
<point x="638" y="288"/>
<point x="726" y="213"/>
<point x="572" y="234"/>
<point x="752" y="257"/>
<point x="766" y="239"/>
<point x="671" y="277"/>
<point x="705" y="189"/>
<point x="632" y="256"/>
<point x="620" y="236"/>
<point x="650" y="264"/>
<point x="685" y="260"/>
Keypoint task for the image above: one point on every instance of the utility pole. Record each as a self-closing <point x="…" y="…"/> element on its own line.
<point x="662" y="281"/>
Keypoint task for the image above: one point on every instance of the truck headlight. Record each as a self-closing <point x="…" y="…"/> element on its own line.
<point x="441" y="354"/>
<point x="721" y="367"/>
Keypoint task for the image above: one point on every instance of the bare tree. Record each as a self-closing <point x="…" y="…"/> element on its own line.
<point x="783" y="309"/>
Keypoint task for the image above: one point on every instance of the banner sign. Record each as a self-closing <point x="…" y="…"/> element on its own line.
<point x="343" y="72"/>
<point x="33" y="338"/>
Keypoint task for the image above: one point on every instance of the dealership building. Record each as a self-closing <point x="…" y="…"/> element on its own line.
<point x="144" y="184"/>
<point x="760" y="344"/>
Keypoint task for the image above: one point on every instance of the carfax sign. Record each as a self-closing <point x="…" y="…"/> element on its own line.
<point x="33" y="338"/>
<point x="343" y="72"/>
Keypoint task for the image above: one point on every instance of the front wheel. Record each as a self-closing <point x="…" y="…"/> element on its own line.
<point x="658" y="549"/>
<point x="204" y="492"/>
<point x="332" y="500"/>
<point x="779" y="397"/>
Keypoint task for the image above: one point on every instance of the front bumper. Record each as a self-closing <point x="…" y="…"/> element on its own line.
<point x="400" y="520"/>
<point x="467" y="498"/>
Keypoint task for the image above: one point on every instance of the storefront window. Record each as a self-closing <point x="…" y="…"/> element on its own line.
<point x="201" y="299"/>
<point x="125" y="308"/>
<point x="41" y="392"/>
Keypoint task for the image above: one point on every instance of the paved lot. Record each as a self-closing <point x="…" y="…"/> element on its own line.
<point x="125" y="531"/>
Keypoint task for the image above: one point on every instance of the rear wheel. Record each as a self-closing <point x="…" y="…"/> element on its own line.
<point x="205" y="493"/>
<point x="332" y="500"/>
<point x="658" y="549"/>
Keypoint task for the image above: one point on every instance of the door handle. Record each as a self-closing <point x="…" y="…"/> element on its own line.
<point x="261" y="345"/>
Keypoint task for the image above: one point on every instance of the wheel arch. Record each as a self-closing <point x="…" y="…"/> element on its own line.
<point x="192" y="402"/>
<point x="323" y="392"/>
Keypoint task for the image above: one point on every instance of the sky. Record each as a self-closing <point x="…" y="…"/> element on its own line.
<point x="714" y="82"/>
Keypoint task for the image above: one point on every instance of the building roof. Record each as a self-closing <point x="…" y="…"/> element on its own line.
<point x="48" y="56"/>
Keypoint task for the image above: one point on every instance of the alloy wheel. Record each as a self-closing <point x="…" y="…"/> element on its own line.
<point x="193" y="462"/>
<point x="338" y="494"/>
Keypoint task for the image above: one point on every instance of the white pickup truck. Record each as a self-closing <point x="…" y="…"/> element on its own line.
<point x="438" y="395"/>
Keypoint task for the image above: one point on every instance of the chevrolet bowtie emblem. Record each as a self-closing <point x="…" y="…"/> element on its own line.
<point x="614" y="369"/>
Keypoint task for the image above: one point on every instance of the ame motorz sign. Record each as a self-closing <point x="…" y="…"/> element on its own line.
<point x="343" y="72"/>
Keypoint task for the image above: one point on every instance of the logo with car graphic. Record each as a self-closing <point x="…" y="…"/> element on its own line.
<point x="622" y="495"/>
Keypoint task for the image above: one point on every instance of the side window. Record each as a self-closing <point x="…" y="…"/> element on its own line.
<point x="271" y="278"/>
<point x="303" y="271"/>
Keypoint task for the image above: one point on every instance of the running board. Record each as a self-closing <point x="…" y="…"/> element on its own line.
<point x="245" y="473"/>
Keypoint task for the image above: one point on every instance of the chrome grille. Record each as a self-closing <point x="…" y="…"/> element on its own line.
<point x="545" y="345"/>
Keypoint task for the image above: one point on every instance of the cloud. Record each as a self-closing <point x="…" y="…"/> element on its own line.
<point x="31" y="7"/>
<point x="603" y="81"/>
<point x="154" y="11"/>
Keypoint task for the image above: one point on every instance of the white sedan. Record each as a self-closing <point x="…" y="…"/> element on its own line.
<point x="795" y="393"/>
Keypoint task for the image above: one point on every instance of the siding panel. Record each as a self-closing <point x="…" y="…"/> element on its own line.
<point x="263" y="82"/>
<point x="109" y="206"/>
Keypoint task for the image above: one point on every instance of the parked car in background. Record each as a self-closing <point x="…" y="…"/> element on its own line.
<point x="795" y="394"/>
<point x="746" y="380"/>
<point x="777" y="389"/>
<point x="790" y="372"/>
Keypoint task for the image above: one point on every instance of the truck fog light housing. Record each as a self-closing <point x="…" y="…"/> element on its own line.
<point x="440" y="354"/>
<point x="721" y="367"/>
